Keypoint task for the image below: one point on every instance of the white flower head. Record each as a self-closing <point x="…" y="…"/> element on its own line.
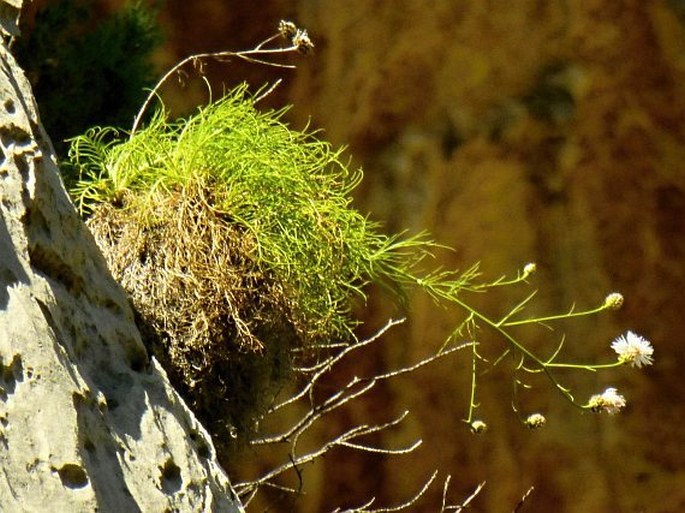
<point x="633" y="349"/>
<point x="609" y="401"/>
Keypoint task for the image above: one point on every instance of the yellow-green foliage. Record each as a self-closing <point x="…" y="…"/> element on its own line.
<point x="237" y="241"/>
<point x="288" y="189"/>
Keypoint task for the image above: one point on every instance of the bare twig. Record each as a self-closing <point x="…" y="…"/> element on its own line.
<point x="355" y="388"/>
<point x="342" y="440"/>
<point x="413" y="500"/>
<point x="523" y="499"/>
<point x="299" y="42"/>
<point x="445" y="487"/>
<point x="328" y="364"/>
<point x="405" y="505"/>
<point x="268" y="91"/>
<point x="465" y="503"/>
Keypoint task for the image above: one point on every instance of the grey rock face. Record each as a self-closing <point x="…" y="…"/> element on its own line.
<point x="87" y="421"/>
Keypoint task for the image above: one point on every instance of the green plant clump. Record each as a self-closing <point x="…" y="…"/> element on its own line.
<point x="289" y="190"/>
<point x="236" y="239"/>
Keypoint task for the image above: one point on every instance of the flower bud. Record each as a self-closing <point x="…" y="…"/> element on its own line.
<point x="613" y="301"/>
<point x="535" y="421"/>
<point x="529" y="269"/>
<point x="478" y="427"/>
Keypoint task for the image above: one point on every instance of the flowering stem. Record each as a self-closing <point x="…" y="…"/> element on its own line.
<point x="516" y="309"/>
<point x="542" y="320"/>
<point x="472" y="400"/>
<point x="592" y="368"/>
<point x="526" y="352"/>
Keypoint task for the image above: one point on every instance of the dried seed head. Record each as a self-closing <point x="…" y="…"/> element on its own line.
<point x="302" y="42"/>
<point x="287" y="29"/>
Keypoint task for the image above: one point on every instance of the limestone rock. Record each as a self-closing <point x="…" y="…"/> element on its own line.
<point x="87" y="421"/>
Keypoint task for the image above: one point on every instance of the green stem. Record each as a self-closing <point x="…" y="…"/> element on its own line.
<point x="542" y="320"/>
<point x="518" y="346"/>
<point x="472" y="399"/>
<point x="591" y="368"/>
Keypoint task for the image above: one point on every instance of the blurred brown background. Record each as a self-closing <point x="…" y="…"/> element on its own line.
<point x="518" y="131"/>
